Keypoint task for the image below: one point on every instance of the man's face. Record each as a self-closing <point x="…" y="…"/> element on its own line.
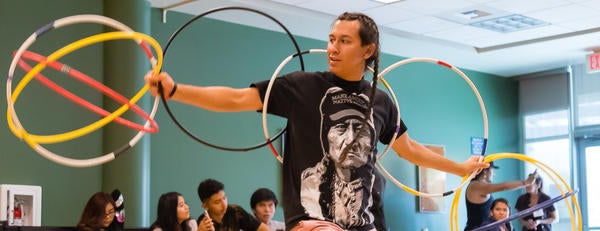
<point x="341" y="135"/>
<point x="346" y="55"/>
<point x="500" y="211"/>
<point x="216" y="204"/>
<point x="264" y="211"/>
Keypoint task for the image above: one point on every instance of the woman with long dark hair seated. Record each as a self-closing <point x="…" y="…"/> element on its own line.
<point x="173" y="214"/>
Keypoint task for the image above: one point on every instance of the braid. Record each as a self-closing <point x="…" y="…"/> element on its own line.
<point x="369" y="34"/>
<point x="374" y="85"/>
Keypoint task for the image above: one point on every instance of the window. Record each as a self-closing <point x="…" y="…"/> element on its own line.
<point x="587" y="96"/>
<point x="554" y="153"/>
<point x="555" y="123"/>
<point x="544" y="106"/>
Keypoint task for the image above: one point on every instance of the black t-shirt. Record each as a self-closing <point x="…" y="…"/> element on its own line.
<point x="235" y="218"/>
<point x="324" y="113"/>
<point x="523" y="203"/>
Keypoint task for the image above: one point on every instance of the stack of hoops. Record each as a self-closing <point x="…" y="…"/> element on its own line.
<point x="35" y="141"/>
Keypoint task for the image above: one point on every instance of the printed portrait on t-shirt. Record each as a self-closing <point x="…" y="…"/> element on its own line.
<point x="338" y="188"/>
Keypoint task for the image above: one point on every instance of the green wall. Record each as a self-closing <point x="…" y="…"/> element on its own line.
<point x="65" y="190"/>
<point x="437" y="105"/>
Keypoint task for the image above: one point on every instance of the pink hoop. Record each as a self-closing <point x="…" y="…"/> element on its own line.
<point x="92" y="83"/>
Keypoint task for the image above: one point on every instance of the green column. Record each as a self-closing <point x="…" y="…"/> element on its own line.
<point x="124" y="68"/>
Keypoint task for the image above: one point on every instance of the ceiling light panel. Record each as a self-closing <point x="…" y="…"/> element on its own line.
<point x="510" y="23"/>
<point x="472" y="14"/>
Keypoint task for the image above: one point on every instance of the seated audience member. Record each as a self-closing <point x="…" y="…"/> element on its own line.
<point x="98" y="214"/>
<point x="173" y="214"/>
<point x="478" y="195"/>
<point x="263" y="203"/>
<point x="219" y="215"/>
<point x="500" y="210"/>
<point x="541" y="219"/>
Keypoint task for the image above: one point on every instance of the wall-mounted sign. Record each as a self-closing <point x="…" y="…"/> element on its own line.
<point x="593" y="63"/>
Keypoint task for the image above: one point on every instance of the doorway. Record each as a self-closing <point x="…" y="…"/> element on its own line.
<point x="589" y="157"/>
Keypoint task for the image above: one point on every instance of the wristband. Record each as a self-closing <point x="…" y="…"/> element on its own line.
<point x="173" y="90"/>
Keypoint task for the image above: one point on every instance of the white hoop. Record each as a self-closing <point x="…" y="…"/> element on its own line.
<point x="483" y="111"/>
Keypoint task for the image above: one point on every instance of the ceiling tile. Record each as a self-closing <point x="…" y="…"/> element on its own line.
<point x="390" y="13"/>
<point x="564" y="13"/>
<point x="522" y="7"/>
<point x="581" y="24"/>
<point x="540" y="32"/>
<point x="431" y="7"/>
<point x="517" y="36"/>
<point x="291" y="2"/>
<point x="337" y="7"/>
<point x="594" y="4"/>
<point x="482" y="1"/>
<point x="462" y="34"/>
<point x="421" y="25"/>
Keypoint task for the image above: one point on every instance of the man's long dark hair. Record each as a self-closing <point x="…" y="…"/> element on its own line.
<point x="369" y="34"/>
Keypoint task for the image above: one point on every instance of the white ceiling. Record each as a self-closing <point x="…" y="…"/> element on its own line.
<point x="420" y="28"/>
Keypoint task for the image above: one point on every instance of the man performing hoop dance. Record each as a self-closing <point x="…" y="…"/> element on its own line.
<point x="334" y="120"/>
